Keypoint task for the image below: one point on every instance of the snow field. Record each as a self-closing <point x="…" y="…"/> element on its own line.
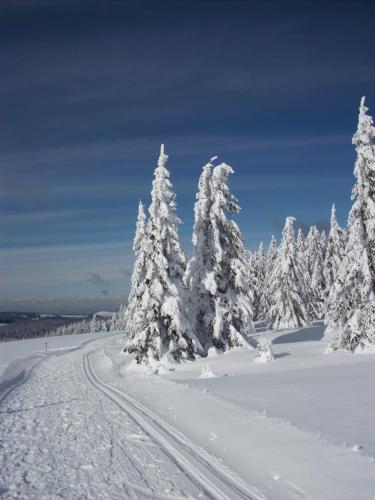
<point x="84" y="424"/>
<point x="294" y="428"/>
<point x="65" y="441"/>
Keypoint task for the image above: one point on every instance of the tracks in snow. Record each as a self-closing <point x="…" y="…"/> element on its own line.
<point x="213" y="479"/>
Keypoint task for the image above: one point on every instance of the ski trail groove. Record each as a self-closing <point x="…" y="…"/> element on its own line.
<point x="215" y="481"/>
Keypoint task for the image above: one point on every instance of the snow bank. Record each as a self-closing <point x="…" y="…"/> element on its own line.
<point x="290" y="428"/>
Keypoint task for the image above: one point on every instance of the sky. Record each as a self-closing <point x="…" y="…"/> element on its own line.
<point x="90" y="89"/>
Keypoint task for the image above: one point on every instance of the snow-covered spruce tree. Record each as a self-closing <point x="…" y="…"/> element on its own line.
<point x="350" y="317"/>
<point x="94" y="325"/>
<point x="260" y="269"/>
<point x="229" y="281"/>
<point x="323" y="244"/>
<point x="218" y="275"/>
<point x="315" y="263"/>
<point x="265" y="302"/>
<point x="301" y="250"/>
<point x="308" y="295"/>
<point x="118" y="321"/>
<point x="125" y="316"/>
<point x="286" y="285"/>
<point x="251" y="259"/>
<point x="159" y="323"/>
<point x="312" y="248"/>
<point x="201" y="303"/>
<point x="334" y="254"/>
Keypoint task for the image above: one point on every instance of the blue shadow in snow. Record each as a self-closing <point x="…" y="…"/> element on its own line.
<point x="281" y="355"/>
<point x="312" y="333"/>
<point x="6" y="384"/>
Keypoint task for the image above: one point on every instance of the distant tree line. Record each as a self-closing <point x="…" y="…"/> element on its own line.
<point x="51" y="327"/>
<point x="34" y="328"/>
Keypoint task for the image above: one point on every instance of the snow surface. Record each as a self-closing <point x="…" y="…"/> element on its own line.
<point x="84" y="425"/>
<point x="20" y="355"/>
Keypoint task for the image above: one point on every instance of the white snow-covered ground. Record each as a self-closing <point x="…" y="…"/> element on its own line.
<point x="17" y="358"/>
<point x="85" y="424"/>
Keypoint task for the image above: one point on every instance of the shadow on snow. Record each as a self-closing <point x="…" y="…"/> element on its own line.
<point x="312" y="333"/>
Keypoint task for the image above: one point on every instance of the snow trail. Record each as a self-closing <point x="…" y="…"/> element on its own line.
<point x="65" y="433"/>
<point x="82" y="426"/>
<point x="60" y="440"/>
<point x="215" y="481"/>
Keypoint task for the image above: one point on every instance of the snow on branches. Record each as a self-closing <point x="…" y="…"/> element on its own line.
<point x="159" y="325"/>
<point x="350" y="315"/>
<point x="218" y="276"/>
<point x="179" y="311"/>
<point x="287" y="281"/>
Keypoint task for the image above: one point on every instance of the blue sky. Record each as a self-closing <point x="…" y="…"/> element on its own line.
<point x="89" y="90"/>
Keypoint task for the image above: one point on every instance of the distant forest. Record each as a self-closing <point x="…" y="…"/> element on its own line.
<point x="17" y="326"/>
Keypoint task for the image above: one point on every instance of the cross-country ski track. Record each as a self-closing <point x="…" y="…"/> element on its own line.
<point x="81" y="421"/>
<point x="213" y="480"/>
<point x="136" y="455"/>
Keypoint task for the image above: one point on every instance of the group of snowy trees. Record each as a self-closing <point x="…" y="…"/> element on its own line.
<point x="179" y="310"/>
<point x="94" y="324"/>
<point x="291" y="280"/>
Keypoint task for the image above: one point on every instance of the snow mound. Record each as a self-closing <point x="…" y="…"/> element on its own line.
<point x="213" y="352"/>
<point x="151" y="367"/>
<point x="139" y="368"/>
<point x="264" y="352"/>
<point x="368" y="349"/>
<point x="207" y="372"/>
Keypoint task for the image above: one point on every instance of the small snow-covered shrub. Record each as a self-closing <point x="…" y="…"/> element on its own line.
<point x="207" y="372"/>
<point x="264" y="352"/>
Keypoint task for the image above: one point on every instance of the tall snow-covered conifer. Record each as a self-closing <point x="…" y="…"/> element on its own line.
<point x="308" y="295"/>
<point x="301" y="250"/>
<point x="323" y="243"/>
<point x="315" y="262"/>
<point x="334" y="254"/>
<point x="260" y="269"/>
<point x="201" y="304"/>
<point x="350" y="316"/>
<point x="286" y="293"/>
<point x="125" y="315"/>
<point x="265" y="301"/>
<point x="160" y="323"/>
<point x="229" y="281"/>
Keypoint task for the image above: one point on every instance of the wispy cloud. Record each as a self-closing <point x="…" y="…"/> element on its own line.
<point x="68" y="171"/>
<point x="31" y="274"/>
<point x="87" y="156"/>
<point x="55" y="250"/>
<point x="41" y="216"/>
<point x="97" y="280"/>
